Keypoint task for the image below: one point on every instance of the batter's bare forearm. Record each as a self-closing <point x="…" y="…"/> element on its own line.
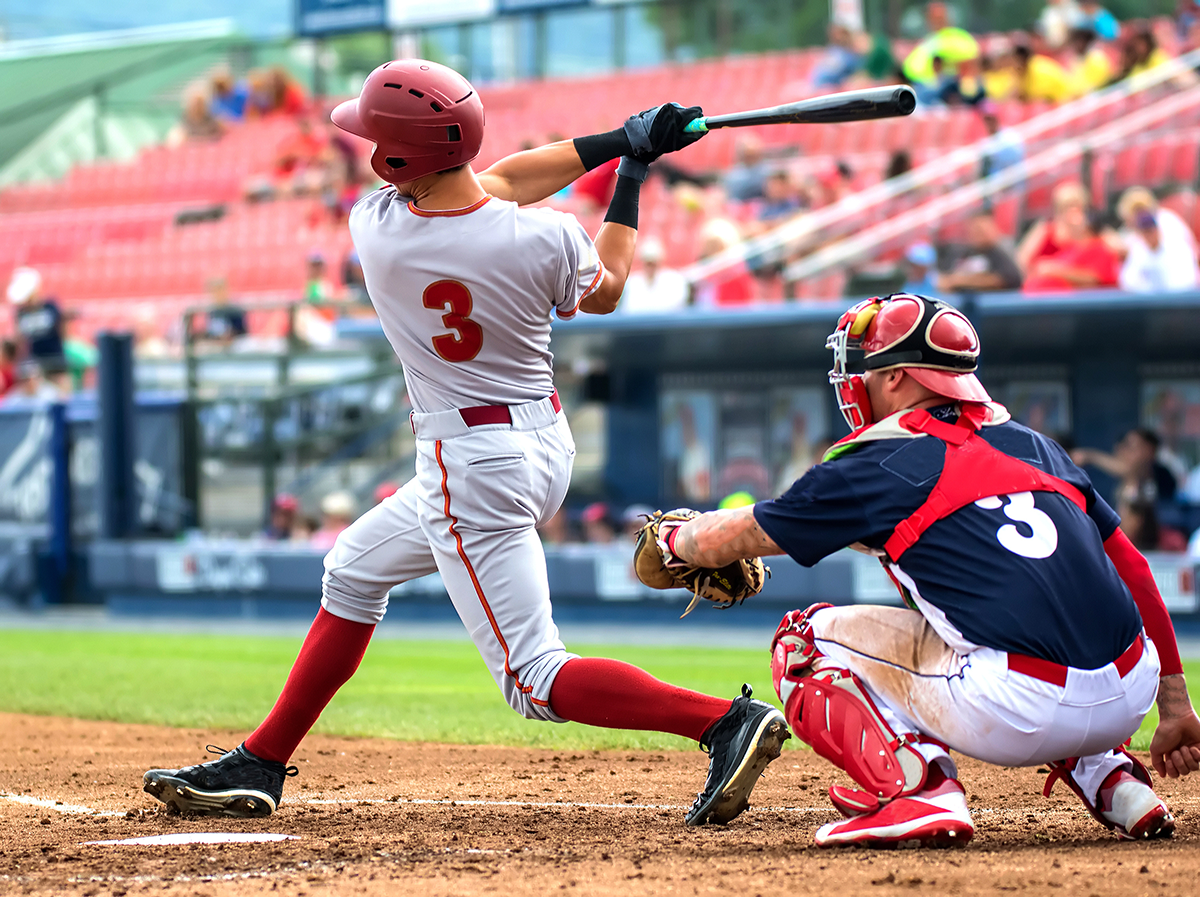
<point x="721" y="537"/>
<point x="614" y="245"/>
<point x="532" y="175"/>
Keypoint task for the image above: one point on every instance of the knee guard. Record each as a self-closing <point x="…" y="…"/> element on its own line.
<point x="830" y="710"/>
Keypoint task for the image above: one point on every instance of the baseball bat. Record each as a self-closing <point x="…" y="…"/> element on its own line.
<point x="850" y="105"/>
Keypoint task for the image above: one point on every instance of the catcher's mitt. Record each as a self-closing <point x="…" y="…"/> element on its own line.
<point x="658" y="567"/>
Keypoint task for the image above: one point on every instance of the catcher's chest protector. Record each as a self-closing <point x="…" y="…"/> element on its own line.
<point x="973" y="469"/>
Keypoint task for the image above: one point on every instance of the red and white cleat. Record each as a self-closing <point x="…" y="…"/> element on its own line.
<point x="935" y="817"/>
<point x="1133" y="809"/>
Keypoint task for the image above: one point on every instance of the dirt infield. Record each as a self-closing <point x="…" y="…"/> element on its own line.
<point x="486" y="828"/>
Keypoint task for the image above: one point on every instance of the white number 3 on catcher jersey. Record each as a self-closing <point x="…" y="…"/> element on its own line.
<point x="1041" y="543"/>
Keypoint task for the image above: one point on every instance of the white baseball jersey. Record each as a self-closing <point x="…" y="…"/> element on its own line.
<point x="465" y="296"/>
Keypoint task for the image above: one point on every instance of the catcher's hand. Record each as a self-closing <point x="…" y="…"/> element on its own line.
<point x="658" y="131"/>
<point x="659" y="567"/>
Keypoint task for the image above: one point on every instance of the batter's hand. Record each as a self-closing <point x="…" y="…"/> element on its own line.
<point x="658" y="131"/>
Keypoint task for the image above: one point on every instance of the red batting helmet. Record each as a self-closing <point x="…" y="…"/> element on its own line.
<point x="421" y="116"/>
<point x="934" y="343"/>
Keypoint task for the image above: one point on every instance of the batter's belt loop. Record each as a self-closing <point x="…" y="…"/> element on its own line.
<point x="1056" y="673"/>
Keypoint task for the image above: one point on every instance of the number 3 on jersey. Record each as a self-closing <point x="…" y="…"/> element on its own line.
<point x="455" y="299"/>
<point x="1044" y="535"/>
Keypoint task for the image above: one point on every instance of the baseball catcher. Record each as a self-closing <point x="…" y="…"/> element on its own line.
<point x="1033" y="634"/>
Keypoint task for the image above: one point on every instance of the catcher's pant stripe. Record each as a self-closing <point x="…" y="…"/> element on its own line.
<point x="458" y="542"/>
<point x="891" y="663"/>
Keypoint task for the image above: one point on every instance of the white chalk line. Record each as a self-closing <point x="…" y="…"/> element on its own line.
<point x="78" y="809"/>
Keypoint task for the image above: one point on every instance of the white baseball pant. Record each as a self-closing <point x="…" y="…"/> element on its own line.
<point x="972" y="702"/>
<point x="470" y="514"/>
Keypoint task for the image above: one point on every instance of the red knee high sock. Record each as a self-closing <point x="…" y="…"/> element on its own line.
<point x="616" y="695"/>
<point x="329" y="656"/>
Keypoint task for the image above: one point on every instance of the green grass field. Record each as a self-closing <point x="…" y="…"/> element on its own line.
<point x="410" y="690"/>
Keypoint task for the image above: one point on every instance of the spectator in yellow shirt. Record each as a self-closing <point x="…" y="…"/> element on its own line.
<point x="1087" y="65"/>
<point x="1140" y="54"/>
<point x="951" y="45"/>
<point x="1040" y="78"/>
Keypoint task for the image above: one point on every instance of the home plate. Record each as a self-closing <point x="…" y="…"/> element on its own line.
<point x="198" y="838"/>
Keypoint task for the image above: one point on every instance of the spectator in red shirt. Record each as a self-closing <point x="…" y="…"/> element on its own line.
<point x="1070" y="204"/>
<point x="1084" y="262"/>
<point x="734" y="286"/>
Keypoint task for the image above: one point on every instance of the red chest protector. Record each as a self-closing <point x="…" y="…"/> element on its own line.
<point x="972" y="470"/>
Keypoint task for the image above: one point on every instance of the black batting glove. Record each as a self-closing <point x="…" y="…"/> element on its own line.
<point x="658" y="131"/>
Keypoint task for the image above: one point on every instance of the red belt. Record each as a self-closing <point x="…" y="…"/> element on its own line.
<point x="1056" y="673"/>
<point x="497" y="414"/>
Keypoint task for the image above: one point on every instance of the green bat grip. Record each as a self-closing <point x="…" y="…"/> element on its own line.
<point x="696" y="126"/>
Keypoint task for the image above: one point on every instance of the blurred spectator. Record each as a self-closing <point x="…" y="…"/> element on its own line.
<point x="880" y="63"/>
<point x="353" y="278"/>
<point x="8" y="366"/>
<point x="998" y="72"/>
<point x="966" y="88"/>
<point x="920" y="265"/>
<point x="900" y="162"/>
<point x="337" y="512"/>
<point x="1187" y="16"/>
<point x="284" y="510"/>
<point x="198" y="122"/>
<point x="1087" y="261"/>
<point x="1039" y="77"/>
<point x="1087" y="65"/>
<point x="833" y="185"/>
<point x="733" y="287"/>
<point x="633" y="518"/>
<point x="594" y="188"/>
<point x="1153" y="265"/>
<point x="1005" y="148"/>
<point x="843" y="56"/>
<point x="949" y="44"/>
<point x="1140" y="54"/>
<point x="653" y="288"/>
<point x="1098" y="19"/>
<point x="1134" y="463"/>
<point x="1140" y="524"/>
<point x="317" y="286"/>
<point x="983" y="263"/>
<point x="344" y="175"/>
<point x="302" y="165"/>
<point x="304" y="529"/>
<point x="81" y="356"/>
<point x="1069" y="202"/>
<point x="224" y="321"/>
<point x="598" y="528"/>
<point x="781" y="199"/>
<point x="272" y="91"/>
<point x="556" y="530"/>
<point x="1173" y="230"/>
<point x="228" y="97"/>
<point x="149" y="342"/>
<point x="40" y="324"/>
<point x="746" y="179"/>
<point x="385" y="490"/>
<point x="1056" y="20"/>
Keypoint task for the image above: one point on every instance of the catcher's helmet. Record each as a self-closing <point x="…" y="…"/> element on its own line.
<point x="421" y="116"/>
<point x="934" y="343"/>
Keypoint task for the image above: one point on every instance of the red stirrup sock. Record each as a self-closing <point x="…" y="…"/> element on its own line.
<point x="329" y="656"/>
<point x="617" y="695"/>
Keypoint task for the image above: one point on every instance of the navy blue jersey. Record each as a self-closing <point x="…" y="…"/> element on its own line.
<point x="1024" y="573"/>
<point x="41" y="327"/>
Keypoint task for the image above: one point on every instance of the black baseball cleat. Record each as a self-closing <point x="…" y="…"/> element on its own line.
<point x="740" y="745"/>
<point x="236" y="784"/>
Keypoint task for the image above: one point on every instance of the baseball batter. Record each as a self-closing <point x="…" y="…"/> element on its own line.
<point x="1034" y="633"/>
<point x="465" y="283"/>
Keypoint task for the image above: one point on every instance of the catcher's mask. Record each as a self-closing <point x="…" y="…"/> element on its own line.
<point x="934" y="343"/>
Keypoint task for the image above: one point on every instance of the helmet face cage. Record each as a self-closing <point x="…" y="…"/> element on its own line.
<point x="853" y="400"/>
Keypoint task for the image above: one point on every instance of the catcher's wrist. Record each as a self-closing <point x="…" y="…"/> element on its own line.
<point x="596" y="149"/>
<point x="623" y="207"/>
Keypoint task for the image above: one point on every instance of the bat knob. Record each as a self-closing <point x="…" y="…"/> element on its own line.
<point x="697" y="126"/>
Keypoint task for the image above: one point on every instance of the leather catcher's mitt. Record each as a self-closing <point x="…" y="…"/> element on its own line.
<point x="659" y="567"/>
